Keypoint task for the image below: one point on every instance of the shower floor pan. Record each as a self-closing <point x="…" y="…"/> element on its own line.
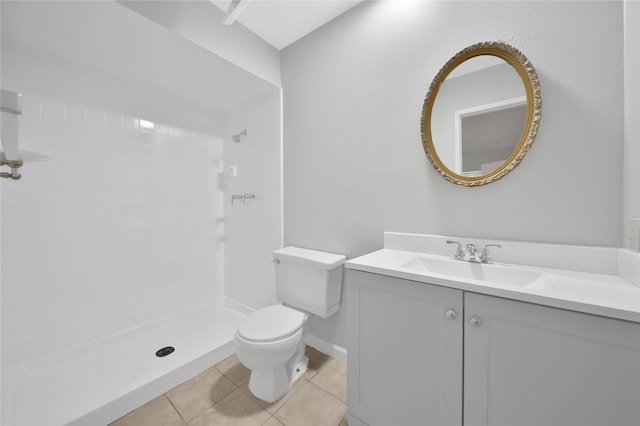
<point x="99" y="382"/>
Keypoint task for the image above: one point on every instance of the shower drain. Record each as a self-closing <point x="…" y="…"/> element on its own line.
<point x="165" y="351"/>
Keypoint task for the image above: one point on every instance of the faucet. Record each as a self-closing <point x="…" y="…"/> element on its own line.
<point x="484" y="256"/>
<point x="471" y="249"/>
<point x="461" y="253"/>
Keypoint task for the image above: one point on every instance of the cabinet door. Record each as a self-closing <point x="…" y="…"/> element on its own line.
<point x="527" y="364"/>
<point x="404" y="353"/>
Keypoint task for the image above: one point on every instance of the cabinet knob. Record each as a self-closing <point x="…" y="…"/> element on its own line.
<point x="451" y="314"/>
<point x="475" y="321"/>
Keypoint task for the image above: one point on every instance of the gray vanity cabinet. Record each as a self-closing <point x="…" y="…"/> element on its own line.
<point x="524" y="364"/>
<point x="405" y="354"/>
<point x="528" y="364"/>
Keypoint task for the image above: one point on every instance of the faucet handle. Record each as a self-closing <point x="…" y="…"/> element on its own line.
<point x="484" y="256"/>
<point x="460" y="253"/>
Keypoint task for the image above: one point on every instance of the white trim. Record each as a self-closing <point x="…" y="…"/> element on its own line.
<point x="331" y="349"/>
<point x="470" y="112"/>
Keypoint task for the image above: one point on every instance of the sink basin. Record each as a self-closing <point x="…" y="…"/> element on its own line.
<point x="492" y="273"/>
<point x="597" y="290"/>
<point x="595" y="280"/>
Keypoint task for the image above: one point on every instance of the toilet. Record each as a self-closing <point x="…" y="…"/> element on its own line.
<point x="269" y="340"/>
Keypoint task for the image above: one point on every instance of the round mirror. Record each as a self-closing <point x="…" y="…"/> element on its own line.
<point x="481" y="114"/>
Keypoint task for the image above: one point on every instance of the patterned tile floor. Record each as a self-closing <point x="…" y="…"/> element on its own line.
<point x="220" y="396"/>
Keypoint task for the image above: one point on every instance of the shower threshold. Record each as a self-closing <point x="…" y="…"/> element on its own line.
<point x="96" y="383"/>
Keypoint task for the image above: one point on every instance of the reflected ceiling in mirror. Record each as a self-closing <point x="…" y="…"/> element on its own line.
<point x="481" y="114"/>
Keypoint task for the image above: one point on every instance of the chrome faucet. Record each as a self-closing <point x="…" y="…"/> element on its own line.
<point x="484" y="256"/>
<point x="461" y="253"/>
<point x="471" y="249"/>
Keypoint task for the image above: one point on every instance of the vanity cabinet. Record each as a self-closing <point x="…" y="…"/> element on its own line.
<point x="527" y="364"/>
<point x="405" y="354"/>
<point x="524" y="364"/>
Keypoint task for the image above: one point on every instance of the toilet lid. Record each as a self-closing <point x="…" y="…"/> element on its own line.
<point x="271" y="323"/>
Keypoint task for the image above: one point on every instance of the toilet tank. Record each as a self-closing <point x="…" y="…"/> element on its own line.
<point x="309" y="280"/>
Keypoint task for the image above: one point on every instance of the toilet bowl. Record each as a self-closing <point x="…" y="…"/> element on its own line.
<point x="269" y="343"/>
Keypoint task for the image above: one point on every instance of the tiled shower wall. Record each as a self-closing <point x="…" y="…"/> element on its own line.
<point x="113" y="224"/>
<point x="253" y="227"/>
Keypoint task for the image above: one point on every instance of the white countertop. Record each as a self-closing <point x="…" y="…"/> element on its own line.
<point x="606" y="294"/>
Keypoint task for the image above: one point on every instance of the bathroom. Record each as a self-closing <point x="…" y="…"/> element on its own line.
<point x="332" y="155"/>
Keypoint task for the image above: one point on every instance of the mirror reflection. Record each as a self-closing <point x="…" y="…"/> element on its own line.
<point x="478" y="116"/>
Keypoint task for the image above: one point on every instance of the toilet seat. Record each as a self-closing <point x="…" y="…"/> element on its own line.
<point x="271" y="323"/>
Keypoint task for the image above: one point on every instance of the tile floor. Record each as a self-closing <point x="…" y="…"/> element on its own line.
<point x="220" y="396"/>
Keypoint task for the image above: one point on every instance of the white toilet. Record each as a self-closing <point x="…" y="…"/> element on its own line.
<point x="269" y="341"/>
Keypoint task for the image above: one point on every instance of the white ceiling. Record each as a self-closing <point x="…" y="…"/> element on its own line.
<point x="281" y="22"/>
<point x="83" y="33"/>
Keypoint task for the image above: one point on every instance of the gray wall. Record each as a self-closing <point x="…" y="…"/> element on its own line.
<point x="353" y="160"/>
<point x="631" y="114"/>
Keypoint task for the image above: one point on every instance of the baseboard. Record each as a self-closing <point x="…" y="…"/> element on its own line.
<point x="354" y="421"/>
<point x="331" y="349"/>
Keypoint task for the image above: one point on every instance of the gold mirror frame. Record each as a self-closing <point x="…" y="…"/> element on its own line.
<point x="529" y="77"/>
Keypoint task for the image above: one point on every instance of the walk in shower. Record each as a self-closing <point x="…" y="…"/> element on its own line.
<point x="121" y="239"/>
